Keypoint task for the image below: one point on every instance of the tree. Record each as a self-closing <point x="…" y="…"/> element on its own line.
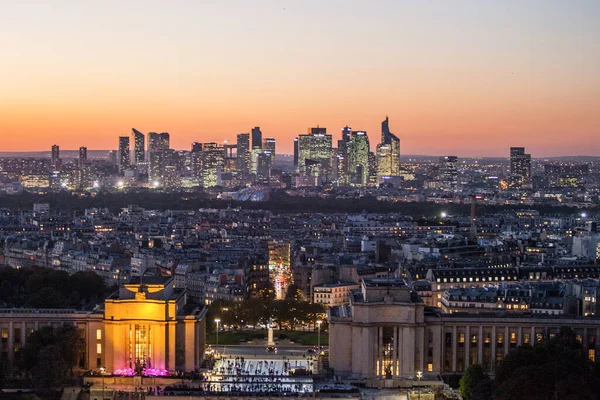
<point x="484" y="390"/>
<point x="471" y="378"/>
<point x="554" y="368"/>
<point x="51" y="353"/>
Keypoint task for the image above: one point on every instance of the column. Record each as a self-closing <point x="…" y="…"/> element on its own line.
<point x="395" y="352"/>
<point x="454" y="342"/>
<point x="409" y="341"/>
<point x="170" y="343"/>
<point x="401" y="352"/>
<point x="420" y="348"/>
<point x="480" y="345"/>
<point x="493" y="356"/>
<point x="506" y="340"/>
<point x="11" y="343"/>
<point x="467" y="347"/>
<point x="532" y="338"/>
<point x="519" y="339"/>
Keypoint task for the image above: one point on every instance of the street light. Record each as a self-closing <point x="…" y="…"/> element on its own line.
<point x="443" y="214"/>
<point x="319" y="335"/>
<point x="217" y="320"/>
<point x="102" y="372"/>
<point x="419" y="376"/>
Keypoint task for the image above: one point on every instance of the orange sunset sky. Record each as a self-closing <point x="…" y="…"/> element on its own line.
<point x="454" y="77"/>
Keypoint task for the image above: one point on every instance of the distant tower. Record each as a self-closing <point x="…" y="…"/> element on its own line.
<point x="243" y="157"/>
<point x="82" y="155"/>
<point x="55" y="156"/>
<point x="139" y="145"/>
<point x="123" y="156"/>
<point x="520" y="167"/>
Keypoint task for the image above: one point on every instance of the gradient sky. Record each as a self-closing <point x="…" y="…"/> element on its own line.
<point x="455" y="77"/>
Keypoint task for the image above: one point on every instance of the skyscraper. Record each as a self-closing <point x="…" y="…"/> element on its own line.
<point x="213" y="161"/>
<point x="296" y="154"/>
<point x="139" y="145"/>
<point x="123" y="157"/>
<point x="388" y="152"/>
<point x="158" y="141"/>
<point x="82" y="155"/>
<point x="316" y="147"/>
<point x="243" y="159"/>
<point x="358" y="158"/>
<point x="55" y="156"/>
<point x="269" y="147"/>
<point x="520" y="167"/>
<point x="263" y="171"/>
<point x="342" y="156"/>
<point x="256" y="138"/>
<point x="448" y="173"/>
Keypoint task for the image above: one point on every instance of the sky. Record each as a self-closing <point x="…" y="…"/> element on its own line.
<point x="467" y="78"/>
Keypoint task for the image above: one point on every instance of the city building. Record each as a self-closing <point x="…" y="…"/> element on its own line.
<point x="520" y="167"/>
<point x="358" y="158"/>
<point x="387" y="334"/>
<point x="448" y="172"/>
<point x="139" y="146"/>
<point x="147" y="324"/>
<point x="124" y="153"/>
<point x="315" y="146"/>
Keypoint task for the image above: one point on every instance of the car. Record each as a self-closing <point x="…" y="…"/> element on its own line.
<point x="271" y="349"/>
<point x="311" y="350"/>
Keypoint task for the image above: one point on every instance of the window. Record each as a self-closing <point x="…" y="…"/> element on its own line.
<point x="99" y="348"/>
<point x="430" y="367"/>
<point x="592" y="354"/>
<point x="4" y="333"/>
<point x="98" y="334"/>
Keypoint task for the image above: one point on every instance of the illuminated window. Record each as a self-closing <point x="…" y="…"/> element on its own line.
<point x="430" y="367"/>
<point x="4" y="333"/>
<point x="98" y="334"/>
<point x="592" y="354"/>
<point x="99" y="348"/>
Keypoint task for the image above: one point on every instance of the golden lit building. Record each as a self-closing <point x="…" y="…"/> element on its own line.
<point x="145" y="327"/>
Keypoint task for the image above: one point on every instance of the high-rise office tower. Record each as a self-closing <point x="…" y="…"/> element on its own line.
<point x="388" y="152"/>
<point x="158" y="141"/>
<point x="124" y="150"/>
<point x="243" y="158"/>
<point x="55" y="162"/>
<point x="139" y="146"/>
<point x="342" y="156"/>
<point x="82" y="155"/>
<point x="358" y="158"/>
<point x="448" y="173"/>
<point x="256" y="138"/>
<point x="196" y="158"/>
<point x="316" y="147"/>
<point x="213" y="161"/>
<point x="269" y="147"/>
<point x="296" y="154"/>
<point x="263" y="170"/>
<point x="520" y="167"/>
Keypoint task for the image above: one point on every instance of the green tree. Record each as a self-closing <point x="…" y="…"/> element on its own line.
<point x="471" y="378"/>
<point x="554" y="368"/>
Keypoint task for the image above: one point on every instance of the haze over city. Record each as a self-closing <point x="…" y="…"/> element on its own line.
<point x="470" y="79"/>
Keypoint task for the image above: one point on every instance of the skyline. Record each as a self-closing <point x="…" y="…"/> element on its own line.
<point x="469" y="81"/>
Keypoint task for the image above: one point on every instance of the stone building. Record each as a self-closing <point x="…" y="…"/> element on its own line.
<point x="146" y="325"/>
<point x="386" y="335"/>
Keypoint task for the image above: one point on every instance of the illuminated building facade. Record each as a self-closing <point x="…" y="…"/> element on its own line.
<point x="520" y="167"/>
<point x="243" y="159"/>
<point x="213" y="161"/>
<point x="448" y="172"/>
<point x="358" y="158"/>
<point x="146" y="326"/>
<point x="316" y="147"/>
<point x="387" y="334"/>
<point x="124" y="153"/>
<point x="139" y="145"/>
<point x="388" y="153"/>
